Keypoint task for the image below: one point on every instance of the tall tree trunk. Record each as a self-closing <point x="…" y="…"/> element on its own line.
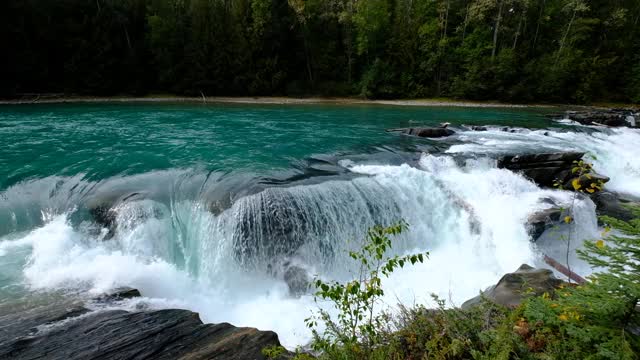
<point x="348" y="42"/>
<point x="566" y="33"/>
<point x="466" y="21"/>
<point x="306" y="55"/>
<point x="442" y="46"/>
<point x="496" y="29"/>
<point x="515" y="39"/>
<point x="126" y="35"/>
<point x="535" y="38"/>
<point x="446" y="19"/>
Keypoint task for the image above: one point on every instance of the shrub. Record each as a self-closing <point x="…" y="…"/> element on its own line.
<point x="356" y="330"/>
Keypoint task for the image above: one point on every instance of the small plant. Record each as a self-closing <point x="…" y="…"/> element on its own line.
<point x="273" y="352"/>
<point x="356" y="329"/>
<point x="598" y="319"/>
<point x="276" y="352"/>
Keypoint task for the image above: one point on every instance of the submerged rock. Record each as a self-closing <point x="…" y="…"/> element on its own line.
<point x="514" y="287"/>
<point x="297" y="279"/>
<point x="426" y="132"/>
<point x="103" y="210"/>
<point x="543" y="169"/>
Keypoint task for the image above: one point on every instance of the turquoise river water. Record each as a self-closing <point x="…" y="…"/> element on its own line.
<point x="209" y="207"/>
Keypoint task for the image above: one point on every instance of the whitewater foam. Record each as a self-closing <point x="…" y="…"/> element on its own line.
<point x="613" y="151"/>
<point x="470" y="217"/>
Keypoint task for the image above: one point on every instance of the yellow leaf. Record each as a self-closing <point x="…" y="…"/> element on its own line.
<point x="554" y="305"/>
<point x="563" y="317"/>
<point x="576" y="184"/>
<point x="591" y="191"/>
<point x="567" y="219"/>
<point x="600" y="244"/>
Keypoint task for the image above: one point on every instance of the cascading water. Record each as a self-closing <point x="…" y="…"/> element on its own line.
<point x="162" y="235"/>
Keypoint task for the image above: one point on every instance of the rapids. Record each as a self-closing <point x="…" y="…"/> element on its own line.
<point x="217" y="238"/>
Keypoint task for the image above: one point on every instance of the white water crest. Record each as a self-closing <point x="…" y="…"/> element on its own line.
<point x="228" y="267"/>
<point x="614" y="150"/>
<point x="473" y="213"/>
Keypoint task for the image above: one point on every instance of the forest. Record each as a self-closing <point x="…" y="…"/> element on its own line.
<point x="561" y="51"/>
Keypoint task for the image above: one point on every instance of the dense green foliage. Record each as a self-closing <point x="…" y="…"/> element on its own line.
<point x="599" y="319"/>
<point x="357" y="324"/>
<point x="510" y="50"/>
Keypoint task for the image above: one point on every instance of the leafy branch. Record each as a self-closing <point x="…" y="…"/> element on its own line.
<point x="355" y="300"/>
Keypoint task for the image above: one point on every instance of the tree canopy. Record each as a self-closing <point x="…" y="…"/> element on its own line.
<point x="510" y="50"/>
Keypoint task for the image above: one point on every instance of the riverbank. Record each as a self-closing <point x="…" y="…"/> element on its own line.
<point x="269" y="100"/>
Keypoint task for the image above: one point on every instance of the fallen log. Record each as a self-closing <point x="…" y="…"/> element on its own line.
<point x="564" y="270"/>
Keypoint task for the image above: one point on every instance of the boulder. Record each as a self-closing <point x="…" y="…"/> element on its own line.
<point x="541" y="221"/>
<point x="514" y="287"/>
<point x="609" y="204"/>
<point x="585" y="181"/>
<point x="544" y="169"/>
<point x="117" y="334"/>
<point x="426" y="132"/>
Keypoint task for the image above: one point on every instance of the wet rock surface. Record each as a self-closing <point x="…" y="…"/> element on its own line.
<point x="119" y="294"/>
<point x="298" y="280"/>
<point x="606" y="117"/>
<point x="543" y="220"/>
<point x="587" y="181"/>
<point x="426" y="132"/>
<point x="514" y="287"/>
<point x="610" y="204"/>
<point x="70" y="331"/>
<point x="24" y="319"/>
<point x="543" y="169"/>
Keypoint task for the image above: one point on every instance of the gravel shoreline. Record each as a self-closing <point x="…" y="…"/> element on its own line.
<point x="265" y="100"/>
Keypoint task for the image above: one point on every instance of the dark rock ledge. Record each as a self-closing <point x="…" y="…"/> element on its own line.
<point x="426" y="132"/>
<point x="602" y="117"/>
<point x="543" y="169"/>
<point x="72" y="332"/>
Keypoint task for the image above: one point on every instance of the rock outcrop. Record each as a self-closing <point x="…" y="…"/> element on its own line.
<point x="609" y="204"/>
<point x="606" y="117"/>
<point x="585" y="181"/>
<point x="543" y="169"/>
<point x="119" y="294"/>
<point x="514" y="287"/>
<point x="543" y="220"/>
<point x="118" y="334"/>
<point x="426" y="132"/>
